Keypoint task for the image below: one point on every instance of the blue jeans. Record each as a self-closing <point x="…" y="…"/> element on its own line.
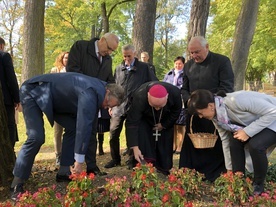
<point x="33" y="117"/>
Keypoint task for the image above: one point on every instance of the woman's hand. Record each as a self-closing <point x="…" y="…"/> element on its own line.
<point x="241" y="135"/>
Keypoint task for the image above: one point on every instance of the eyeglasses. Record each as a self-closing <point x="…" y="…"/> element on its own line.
<point x="109" y="48"/>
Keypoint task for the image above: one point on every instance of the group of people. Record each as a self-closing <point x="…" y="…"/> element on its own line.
<point x="204" y="86"/>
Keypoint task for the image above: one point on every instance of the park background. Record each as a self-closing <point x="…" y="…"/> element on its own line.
<point x="36" y="31"/>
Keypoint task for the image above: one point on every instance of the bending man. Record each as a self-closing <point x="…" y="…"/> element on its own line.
<point x="74" y="105"/>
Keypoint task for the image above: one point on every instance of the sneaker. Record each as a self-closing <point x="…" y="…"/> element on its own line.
<point x="112" y="164"/>
<point x="18" y="189"/>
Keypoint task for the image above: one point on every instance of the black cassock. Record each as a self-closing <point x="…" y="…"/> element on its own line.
<point x="214" y="73"/>
<point x="209" y="161"/>
<point x="141" y="119"/>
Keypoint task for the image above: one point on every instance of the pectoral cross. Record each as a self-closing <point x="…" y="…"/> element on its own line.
<point x="156" y="134"/>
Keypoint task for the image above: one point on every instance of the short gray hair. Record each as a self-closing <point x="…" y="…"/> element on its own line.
<point x="199" y="39"/>
<point x="116" y="91"/>
<point x="128" y="47"/>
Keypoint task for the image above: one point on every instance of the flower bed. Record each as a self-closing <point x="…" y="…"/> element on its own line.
<point x="183" y="187"/>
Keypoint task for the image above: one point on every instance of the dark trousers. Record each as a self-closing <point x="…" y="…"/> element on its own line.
<point x="90" y="156"/>
<point x="116" y="125"/>
<point x="13" y="136"/>
<point x="257" y="145"/>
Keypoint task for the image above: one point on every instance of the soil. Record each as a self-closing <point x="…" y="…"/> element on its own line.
<point x="44" y="173"/>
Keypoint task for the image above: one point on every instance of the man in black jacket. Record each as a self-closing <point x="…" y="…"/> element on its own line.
<point x="131" y="74"/>
<point x="92" y="58"/>
<point x="213" y="72"/>
<point x="10" y="90"/>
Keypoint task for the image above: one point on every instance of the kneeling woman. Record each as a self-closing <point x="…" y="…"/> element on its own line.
<point x="242" y="118"/>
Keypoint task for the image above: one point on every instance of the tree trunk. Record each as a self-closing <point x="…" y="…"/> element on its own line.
<point x="198" y="19"/>
<point x="7" y="157"/>
<point x="144" y="24"/>
<point x="245" y="28"/>
<point x="33" y="39"/>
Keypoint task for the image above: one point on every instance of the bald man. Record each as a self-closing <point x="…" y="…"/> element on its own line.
<point x="213" y="72"/>
<point x="149" y="124"/>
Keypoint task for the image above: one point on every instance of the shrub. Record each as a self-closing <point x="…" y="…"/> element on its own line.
<point x="232" y="188"/>
<point x="44" y="197"/>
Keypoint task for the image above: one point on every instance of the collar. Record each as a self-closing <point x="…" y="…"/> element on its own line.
<point x="96" y="47"/>
<point x="132" y="65"/>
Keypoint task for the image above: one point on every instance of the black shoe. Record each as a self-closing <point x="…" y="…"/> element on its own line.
<point x="16" y="191"/>
<point x="63" y="178"/>
<point x="112" y="164"/>
<point x="96" y="171"/>
<point x="258" y="189"/>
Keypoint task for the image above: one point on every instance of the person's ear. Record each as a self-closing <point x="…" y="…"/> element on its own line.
<point x="211" y="106"/>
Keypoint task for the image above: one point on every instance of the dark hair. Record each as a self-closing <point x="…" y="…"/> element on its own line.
<point x="199" y="100"/>
<point x="179" y="58"/>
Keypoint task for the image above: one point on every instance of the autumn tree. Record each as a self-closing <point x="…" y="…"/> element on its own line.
<point x="33" y="39"/>
<point x="11" y="15"/>
<point x="7" y="157"/>
<point x="170" y="18"/>
<point x="245" y="28"/>
<point x="198" y="18"/>
<point x="69" y="21"/>
<point x="144" y="22"/>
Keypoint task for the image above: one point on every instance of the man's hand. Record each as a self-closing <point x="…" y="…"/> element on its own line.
<point x="158" y="126"/>
<point x="241" y="135"/>
<point x="137" y="154"/>
<point x="18" y="107"/>
<point x="76" y="168"/>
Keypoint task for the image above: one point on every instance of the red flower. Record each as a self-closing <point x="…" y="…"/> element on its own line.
<point x="144" y="177"/>
<point x="165" y="198"/>
<point x="172" y="178"/>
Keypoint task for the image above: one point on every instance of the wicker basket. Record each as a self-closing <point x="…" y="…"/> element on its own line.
<point x="202" y="140"/>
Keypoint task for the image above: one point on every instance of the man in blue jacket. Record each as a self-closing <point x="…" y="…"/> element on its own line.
<point x="73" y="101"/>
